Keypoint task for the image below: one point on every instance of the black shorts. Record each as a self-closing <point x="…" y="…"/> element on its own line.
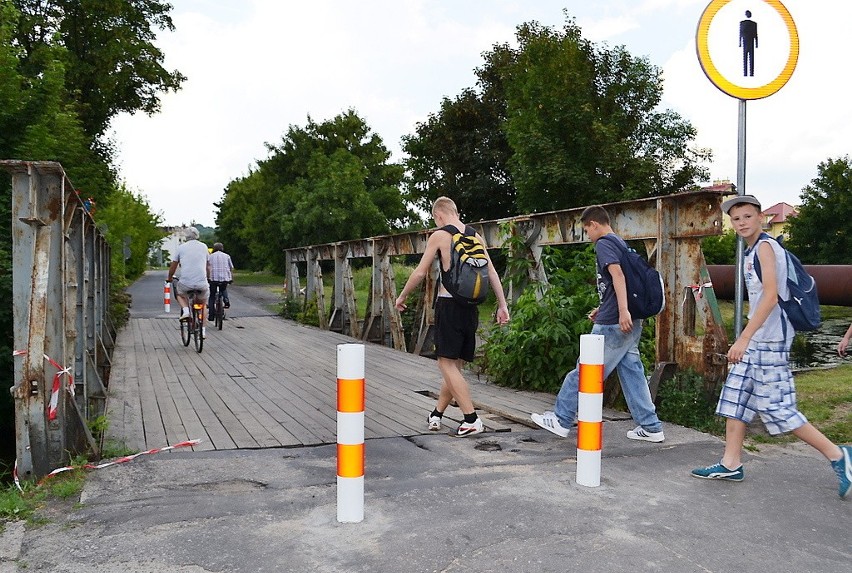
<point x="455" y="329"/>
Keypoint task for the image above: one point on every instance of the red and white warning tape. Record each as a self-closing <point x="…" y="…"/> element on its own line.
<point x="121" y="460"/>
<point x="51" y="415"/>
<point x="697" y="291"/>
<point x="57" y="386"/>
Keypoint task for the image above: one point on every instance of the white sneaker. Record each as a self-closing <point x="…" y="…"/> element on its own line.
<point x="550" y="422"/>
<point x="640" y="433"/>
<point x="434" y="423"/>
<point x="469" y="429"/>
<point x="184" y="314"/>
<point x="203" y="332"/>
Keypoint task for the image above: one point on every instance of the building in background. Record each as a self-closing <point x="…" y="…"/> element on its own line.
<point x="161" y="255"/>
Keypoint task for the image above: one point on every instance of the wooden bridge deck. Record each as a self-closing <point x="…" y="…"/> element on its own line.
<point x="266" y="382"/>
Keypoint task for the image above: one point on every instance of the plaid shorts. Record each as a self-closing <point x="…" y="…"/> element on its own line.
<point x="761" y="383"/>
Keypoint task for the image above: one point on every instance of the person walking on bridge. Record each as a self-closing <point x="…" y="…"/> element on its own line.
<point x="760" y="381"/>
<point x="455" y="322"/>
<point x="621" y="333"/>
<point x="220" y="276"/>
<point x="192" y="256"/>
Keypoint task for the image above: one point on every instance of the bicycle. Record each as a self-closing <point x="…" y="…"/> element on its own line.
<point x="191" y="329"/>
<point x="217" y="313"/>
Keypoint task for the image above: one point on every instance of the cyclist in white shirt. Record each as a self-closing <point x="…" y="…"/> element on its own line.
<point x="192" y="256"/>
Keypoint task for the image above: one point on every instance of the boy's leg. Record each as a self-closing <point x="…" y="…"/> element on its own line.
<point x="617" y="346"/>
<point x="631" y="375"/>
<point x="456" y="385"/>
<point x="738" y="402"/>
<point x="567" y="399"/>
<point x="813" y="437"/>
<point x="445" y="396"/>
<point x="735" y="431"/>
<point x="622" y="355"/>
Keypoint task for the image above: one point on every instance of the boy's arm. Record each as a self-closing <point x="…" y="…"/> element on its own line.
<point x="432" y="246"/>
<point x="764" y="307"/>
<point x="625" y="321"/>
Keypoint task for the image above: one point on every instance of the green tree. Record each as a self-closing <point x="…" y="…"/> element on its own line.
<point x="112" y="62"/>
<point x="720" y="249"/>
<point x="128" y="221"/>
<point x="295" y="197"/>
<point x="820" y="233"/>
<point x="582" y="121"/>
<point x="463" y="153"/>
<point x="231" y="218"/>
<point x="332" y="203"/>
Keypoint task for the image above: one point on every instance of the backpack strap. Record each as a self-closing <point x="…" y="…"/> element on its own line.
<point x="764" y="237"/>
<point x="760" y="238"/>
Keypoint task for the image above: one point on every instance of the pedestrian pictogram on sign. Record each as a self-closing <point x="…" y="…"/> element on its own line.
<point x="729" y="49"/>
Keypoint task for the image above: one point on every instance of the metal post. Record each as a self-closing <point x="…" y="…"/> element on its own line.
<point x="741" y="189"/>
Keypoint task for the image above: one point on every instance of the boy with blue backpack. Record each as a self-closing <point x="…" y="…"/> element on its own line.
<point x="621" y="329"/>
<point x="760" y="381"/>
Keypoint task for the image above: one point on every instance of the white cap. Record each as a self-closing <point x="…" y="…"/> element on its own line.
<point x="750" y="199"/>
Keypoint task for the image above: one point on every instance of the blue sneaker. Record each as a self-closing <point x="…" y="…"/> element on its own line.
<point x="843" y="469"/>
<point x="718" y="471"/>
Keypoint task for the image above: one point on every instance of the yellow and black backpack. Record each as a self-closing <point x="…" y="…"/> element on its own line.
<point x="467" y="278"/>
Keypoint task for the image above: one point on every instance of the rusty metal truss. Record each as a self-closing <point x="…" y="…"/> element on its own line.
<point x="689" y="332"/>
<point x="60" y="301"/>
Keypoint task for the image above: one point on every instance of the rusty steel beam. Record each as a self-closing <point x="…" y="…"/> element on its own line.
<point x="57" y="316"/>
<point x="834" y="282"/>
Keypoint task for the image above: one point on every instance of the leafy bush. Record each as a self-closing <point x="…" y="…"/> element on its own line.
<point x="542" y="340"/>
<point x="290" y="307"/>
<point x="683" y="400"/>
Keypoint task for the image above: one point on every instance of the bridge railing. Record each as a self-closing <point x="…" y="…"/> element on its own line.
<point x="689" y="332"/>
<point x="63" y="335"/>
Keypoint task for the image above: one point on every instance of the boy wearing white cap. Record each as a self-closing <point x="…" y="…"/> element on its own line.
<point x="760" y="381"/>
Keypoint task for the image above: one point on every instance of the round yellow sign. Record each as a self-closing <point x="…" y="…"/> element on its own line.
<point x="750" y="86"/>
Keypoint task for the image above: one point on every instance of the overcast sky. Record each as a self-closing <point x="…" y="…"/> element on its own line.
<point x="255" y="67"/>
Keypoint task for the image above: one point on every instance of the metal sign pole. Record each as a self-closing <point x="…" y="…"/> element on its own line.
<point x="741" y="189"/>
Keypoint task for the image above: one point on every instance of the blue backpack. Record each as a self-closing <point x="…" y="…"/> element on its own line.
<point x="802" y="308"/>
<point x="646" y="296"/>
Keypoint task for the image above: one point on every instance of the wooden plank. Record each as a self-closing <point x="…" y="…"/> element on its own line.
<point x="268" y="382"/>
<point x="155" y="432"/>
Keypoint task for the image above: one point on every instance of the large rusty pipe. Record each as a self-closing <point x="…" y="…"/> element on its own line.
<point x="834" y="282"/>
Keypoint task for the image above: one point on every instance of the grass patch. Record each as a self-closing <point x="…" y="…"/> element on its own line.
<point x="254" y="278"/>
<point x="64" y="487"/>
<point x="825" y="398"/>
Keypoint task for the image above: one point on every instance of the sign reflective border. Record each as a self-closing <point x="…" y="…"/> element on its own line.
<point x="750" y="87"/>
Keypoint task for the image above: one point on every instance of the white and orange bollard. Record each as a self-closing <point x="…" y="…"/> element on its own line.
<point x="167" y="296"/>
<point x="590" y="410"/>
<point x="350" y="433"/>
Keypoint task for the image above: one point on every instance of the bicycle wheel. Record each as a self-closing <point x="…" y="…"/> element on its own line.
<point x="220" y="312"/>
<point x="186" y="331"/>
<point x="197" y="335"/>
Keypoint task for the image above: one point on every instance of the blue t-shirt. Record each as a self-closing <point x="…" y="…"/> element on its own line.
<point x="607" y="253"/>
